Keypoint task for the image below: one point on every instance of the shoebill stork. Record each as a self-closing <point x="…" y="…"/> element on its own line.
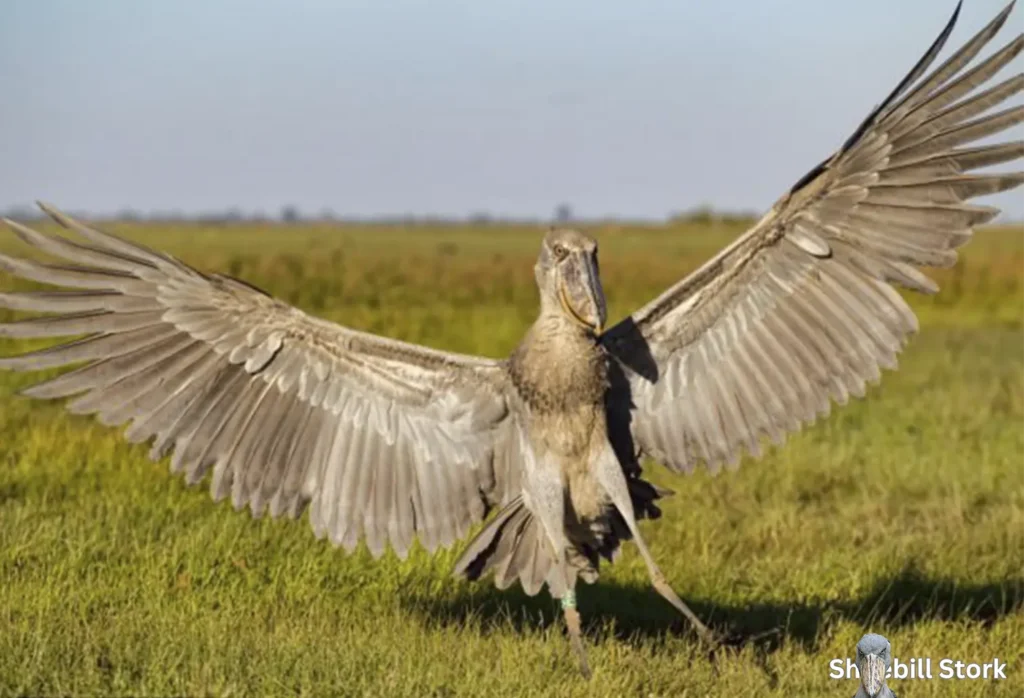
<point x="387" y="441"/>
<point x="874" y="657"/>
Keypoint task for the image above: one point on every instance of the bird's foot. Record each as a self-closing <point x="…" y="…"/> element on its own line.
<point x="705" y="633"/>
<point x="573" y="625"/>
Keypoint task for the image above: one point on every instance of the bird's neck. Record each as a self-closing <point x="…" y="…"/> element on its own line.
<point x="559" y="364"/>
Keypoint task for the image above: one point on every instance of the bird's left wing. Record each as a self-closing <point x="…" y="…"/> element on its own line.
<point x="386" y="439"/>
<point x="799" y="310"/>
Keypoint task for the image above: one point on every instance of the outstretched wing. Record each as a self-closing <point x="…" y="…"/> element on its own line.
<point x="387" y="440"/>
<point x="799" y="310"/>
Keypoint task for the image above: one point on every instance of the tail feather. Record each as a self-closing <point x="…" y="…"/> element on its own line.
<point x="479" y="556"/>
<point x="529" y="557"/>
<point x="513" y="546"/>
<point x="517" y="537"/>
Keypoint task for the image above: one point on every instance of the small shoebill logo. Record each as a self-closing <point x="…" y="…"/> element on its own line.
<point x="874" y="657"/>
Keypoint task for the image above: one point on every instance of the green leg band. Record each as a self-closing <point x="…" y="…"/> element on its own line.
<point x="569" y="600"/>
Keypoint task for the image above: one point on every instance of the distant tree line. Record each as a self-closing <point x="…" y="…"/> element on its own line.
<point x="562" y="214"/>
<point x="707" y="215"/>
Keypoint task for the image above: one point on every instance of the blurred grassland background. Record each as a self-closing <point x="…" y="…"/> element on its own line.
<point x="901" y="514"/>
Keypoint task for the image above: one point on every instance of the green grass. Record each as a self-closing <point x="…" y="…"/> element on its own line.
<point x="901" y="514"/>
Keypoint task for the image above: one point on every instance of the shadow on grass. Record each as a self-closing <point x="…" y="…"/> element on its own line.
<point x="637" y="613"/>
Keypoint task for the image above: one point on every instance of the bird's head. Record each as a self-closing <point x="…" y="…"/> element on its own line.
<point x="874" y="656"/>
<point x="568" y="278"/>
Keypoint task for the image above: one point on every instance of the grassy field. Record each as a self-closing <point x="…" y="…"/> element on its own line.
<point x="902" y="514"/>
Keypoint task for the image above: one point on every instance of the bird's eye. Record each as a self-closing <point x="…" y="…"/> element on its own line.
<point x="559" y="251"/>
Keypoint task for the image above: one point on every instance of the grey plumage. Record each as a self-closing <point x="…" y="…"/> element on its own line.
<point x="387" y="442"/>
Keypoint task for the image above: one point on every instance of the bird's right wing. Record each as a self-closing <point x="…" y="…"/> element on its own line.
<point x="799" y="311"/>
<point x="387" y="440"/>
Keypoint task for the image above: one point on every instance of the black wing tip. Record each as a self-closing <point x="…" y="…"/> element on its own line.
<point x="937" y="45"/>
<point x="910" y="78"/>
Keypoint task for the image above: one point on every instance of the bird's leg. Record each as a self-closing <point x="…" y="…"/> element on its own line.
<point x="545" y="497"/>
<point x="610" y="475"/>
<point x="662" y="586"/>
<point x="572" y="624"/>
<point x="569" y="610"/>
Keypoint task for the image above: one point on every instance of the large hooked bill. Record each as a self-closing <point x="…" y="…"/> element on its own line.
<point x="581" y="294"/>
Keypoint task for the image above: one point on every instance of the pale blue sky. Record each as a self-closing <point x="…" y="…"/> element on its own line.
<point x="442" y="107"/>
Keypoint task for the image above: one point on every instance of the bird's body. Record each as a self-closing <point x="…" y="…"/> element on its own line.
<point x="560" y="376"/>
<point x="558" y="380"/>
<point x="388" y="442"/>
